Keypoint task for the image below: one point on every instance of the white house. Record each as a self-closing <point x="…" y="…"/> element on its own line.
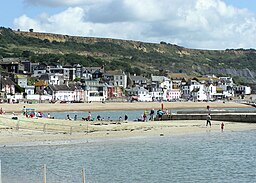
<point x="157" y="94"/>
<point x="21" y="80"/>
<point x="39" y="70"/>
<point x="161" y="83"/>
<point x="246" y="90"/>
<point x="95" y="91"/>
<point x="53" y="79"/>
<point x="68" y="73"/>
<point x="139" y="81"/>
<point x="116" y="78"/>
<point x="65" y="92"/>
<point x="211" y="90"/>
<point x="144" y="95"/>
<point x="173" y="94"/>
<point x="195" y="91"/>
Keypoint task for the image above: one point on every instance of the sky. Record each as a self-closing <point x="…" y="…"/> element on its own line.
<point x="199" y="24"/>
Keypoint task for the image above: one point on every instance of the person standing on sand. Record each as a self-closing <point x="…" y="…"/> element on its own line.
<point x="222" y="126"/>
<point x="1" y="111"/>
<point x="24" y="110"/>
<point x="89" y="117"/>
<point x="125" y="118"/>
<point x="145" y="116"/>
<point x="152" y="112"/>
<point x="68" y="117"/>
<point x="208" y="120"/>
<point x="208" y="108"/>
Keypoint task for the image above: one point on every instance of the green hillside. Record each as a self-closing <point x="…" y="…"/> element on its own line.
<point x="130" y="56"/>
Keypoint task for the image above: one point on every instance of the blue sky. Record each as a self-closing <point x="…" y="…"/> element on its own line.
<point x="249" y="4"/>
<point x="206" y="24"/>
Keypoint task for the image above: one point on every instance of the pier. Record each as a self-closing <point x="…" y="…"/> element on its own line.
<point x="231" y="116"/>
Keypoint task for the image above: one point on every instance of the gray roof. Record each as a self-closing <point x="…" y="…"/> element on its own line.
<point x="60" y="88"/>
<point x="44" y="77"/>
<point x="138" y="78"/>
<point x="114" y="72"/>
<point x="9" y="60"/>
<point x="136" y="89"/>
<point x="70" y="87"/>
<point x="157" y="78"/>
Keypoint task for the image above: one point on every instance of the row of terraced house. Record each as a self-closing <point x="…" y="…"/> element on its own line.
<point x="78" y="83"/>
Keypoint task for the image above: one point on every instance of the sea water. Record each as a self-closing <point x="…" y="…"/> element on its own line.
<point x="206" y="157"/>
<point x="132" y="114"/>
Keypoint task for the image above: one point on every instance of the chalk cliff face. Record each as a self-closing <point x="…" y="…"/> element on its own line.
<point x="79" y="39"/>
<point x="233" y="72"/>
<point x="156" y="58"/>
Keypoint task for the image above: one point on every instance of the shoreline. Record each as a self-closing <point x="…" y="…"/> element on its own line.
<point x="84" y="141"/>
<point x="54" y="131"/>
<point x="112" y="106"/>
<point x="58" y="132"/>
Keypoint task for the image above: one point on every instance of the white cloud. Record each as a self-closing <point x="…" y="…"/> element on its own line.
<point x="24" y="22"/>
<point x="207" y="24"/>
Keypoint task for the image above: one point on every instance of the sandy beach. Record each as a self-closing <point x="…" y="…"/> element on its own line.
<point x="48" y="131"/>
<point x="97" y="106"/>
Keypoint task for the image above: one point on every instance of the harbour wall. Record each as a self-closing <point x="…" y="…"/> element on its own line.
<point x="215" y="111"/>
<point x="232" y="117"/>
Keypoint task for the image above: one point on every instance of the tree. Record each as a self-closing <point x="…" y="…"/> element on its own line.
<point x="25" y="95"/>
<point x="137" y="71"/>
<point x="26" y="54"/>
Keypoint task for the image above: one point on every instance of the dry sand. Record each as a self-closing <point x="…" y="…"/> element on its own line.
<point x="96" y="106"/>
<point x="47" y="131"/>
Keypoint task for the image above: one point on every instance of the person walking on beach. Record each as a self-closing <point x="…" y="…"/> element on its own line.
<point x="222" y="126"/>
<point x="208" y="120"/>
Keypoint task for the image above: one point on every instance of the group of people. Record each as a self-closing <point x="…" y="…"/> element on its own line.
<point x="151" y="115"/>
<point x="208" y="119"/>
<point x="98" y="118"/>
<point x="69" y="118"/>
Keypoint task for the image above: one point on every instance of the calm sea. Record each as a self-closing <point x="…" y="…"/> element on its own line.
<point x="207" y="157"/>
<point x="132" y="114"/>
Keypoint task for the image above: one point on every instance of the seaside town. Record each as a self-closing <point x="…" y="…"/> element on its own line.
<point x="125" y="91"/>
<point x="24" y="81"/>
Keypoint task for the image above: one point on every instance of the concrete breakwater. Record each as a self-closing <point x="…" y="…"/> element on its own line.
<point x="215" y="111"/>
<point x="232" y="117"/>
